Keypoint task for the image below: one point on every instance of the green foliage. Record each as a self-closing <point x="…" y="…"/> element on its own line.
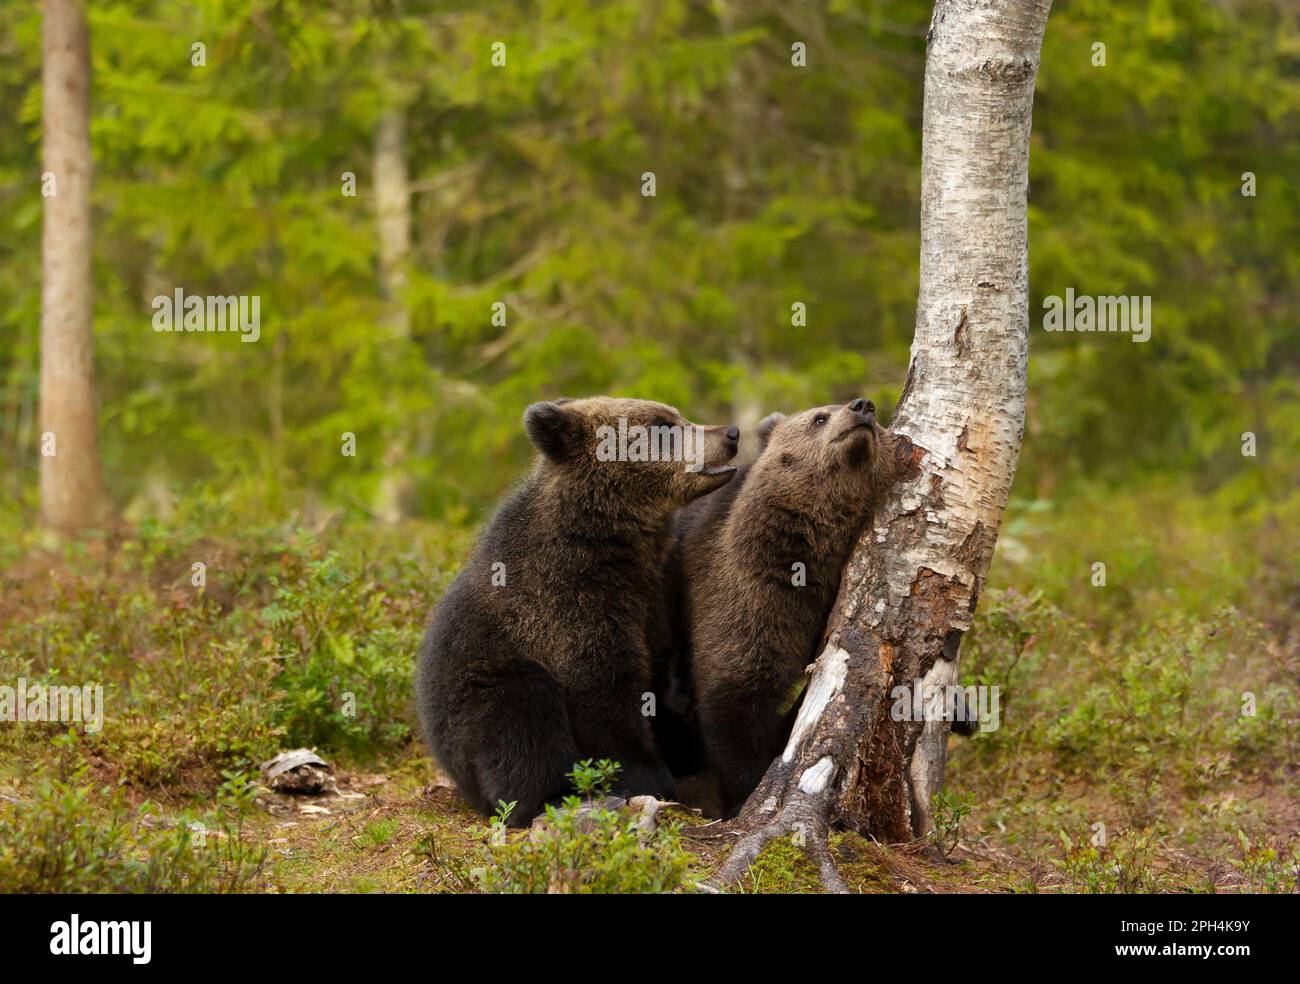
<point x="775" y="185"/>
<point x="1267" y="869"/>
<point x="1162" y="711"/>
<point x="71" y="838"/>
<point x="345" y="667"/>
<point x="1124" y="869"/>
<point x="238" y="790"/>
<point x="287" y="643"/>
<point x="1162" y="705"/>
<point x="592" y="780"/>
<point x="584" y="847"/>
<point x="948" y="811"/>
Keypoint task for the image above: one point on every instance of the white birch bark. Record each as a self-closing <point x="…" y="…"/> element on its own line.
<point x="911" y="587"/>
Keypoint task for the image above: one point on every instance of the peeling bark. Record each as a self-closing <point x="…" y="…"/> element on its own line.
<point x="911" y="587"/>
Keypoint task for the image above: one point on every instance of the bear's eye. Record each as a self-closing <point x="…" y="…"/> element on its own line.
<point x="820" y="419"/>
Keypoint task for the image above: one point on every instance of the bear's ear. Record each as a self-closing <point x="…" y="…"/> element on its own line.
<point x="765" y="428"/>
<point x="553" y="430"/>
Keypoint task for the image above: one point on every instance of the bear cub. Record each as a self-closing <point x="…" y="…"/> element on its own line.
<point x="539" y="654"/>
<point x="760" y="564"/>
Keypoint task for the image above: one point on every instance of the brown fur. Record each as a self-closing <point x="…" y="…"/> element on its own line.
<point x="750" y="630"/>
<point x="518" y="681"/>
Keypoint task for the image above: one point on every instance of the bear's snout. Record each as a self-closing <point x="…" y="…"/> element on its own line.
<point x="864" y="410"/>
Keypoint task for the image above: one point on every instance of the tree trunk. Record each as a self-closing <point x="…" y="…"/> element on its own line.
<point x="72" y="492"/>
<point x="393" y="219"/>
<point x="393" y="215"/>
<point x="910" y="589"/>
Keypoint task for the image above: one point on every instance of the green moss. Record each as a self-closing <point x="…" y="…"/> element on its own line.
<point x="782" y="868"/>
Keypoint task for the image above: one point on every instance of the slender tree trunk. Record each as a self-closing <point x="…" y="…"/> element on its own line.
<point x="910" y="589"/>
<point x="393" y="216"/>
<point x="72" y="492"/>
<point x="393" y="220"/>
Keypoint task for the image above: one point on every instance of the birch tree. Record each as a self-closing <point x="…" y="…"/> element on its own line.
<point x="911" y="587"/>
<point x="393" y="226"/>
<point x="393" y="216"/>
<point x="72" y="494"/>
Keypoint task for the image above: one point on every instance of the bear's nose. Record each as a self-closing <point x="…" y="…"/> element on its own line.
<point x="733" y="433"/>
<point x="862" y="406"/>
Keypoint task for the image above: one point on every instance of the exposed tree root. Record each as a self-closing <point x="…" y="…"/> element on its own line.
<point x="745" y="853"/>
<point x="804" y="820"/>
<point x="818" y="849"/>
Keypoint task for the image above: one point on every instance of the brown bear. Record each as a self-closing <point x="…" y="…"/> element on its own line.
<point x="759" y="564"/>
<point x="538" y="655"/>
